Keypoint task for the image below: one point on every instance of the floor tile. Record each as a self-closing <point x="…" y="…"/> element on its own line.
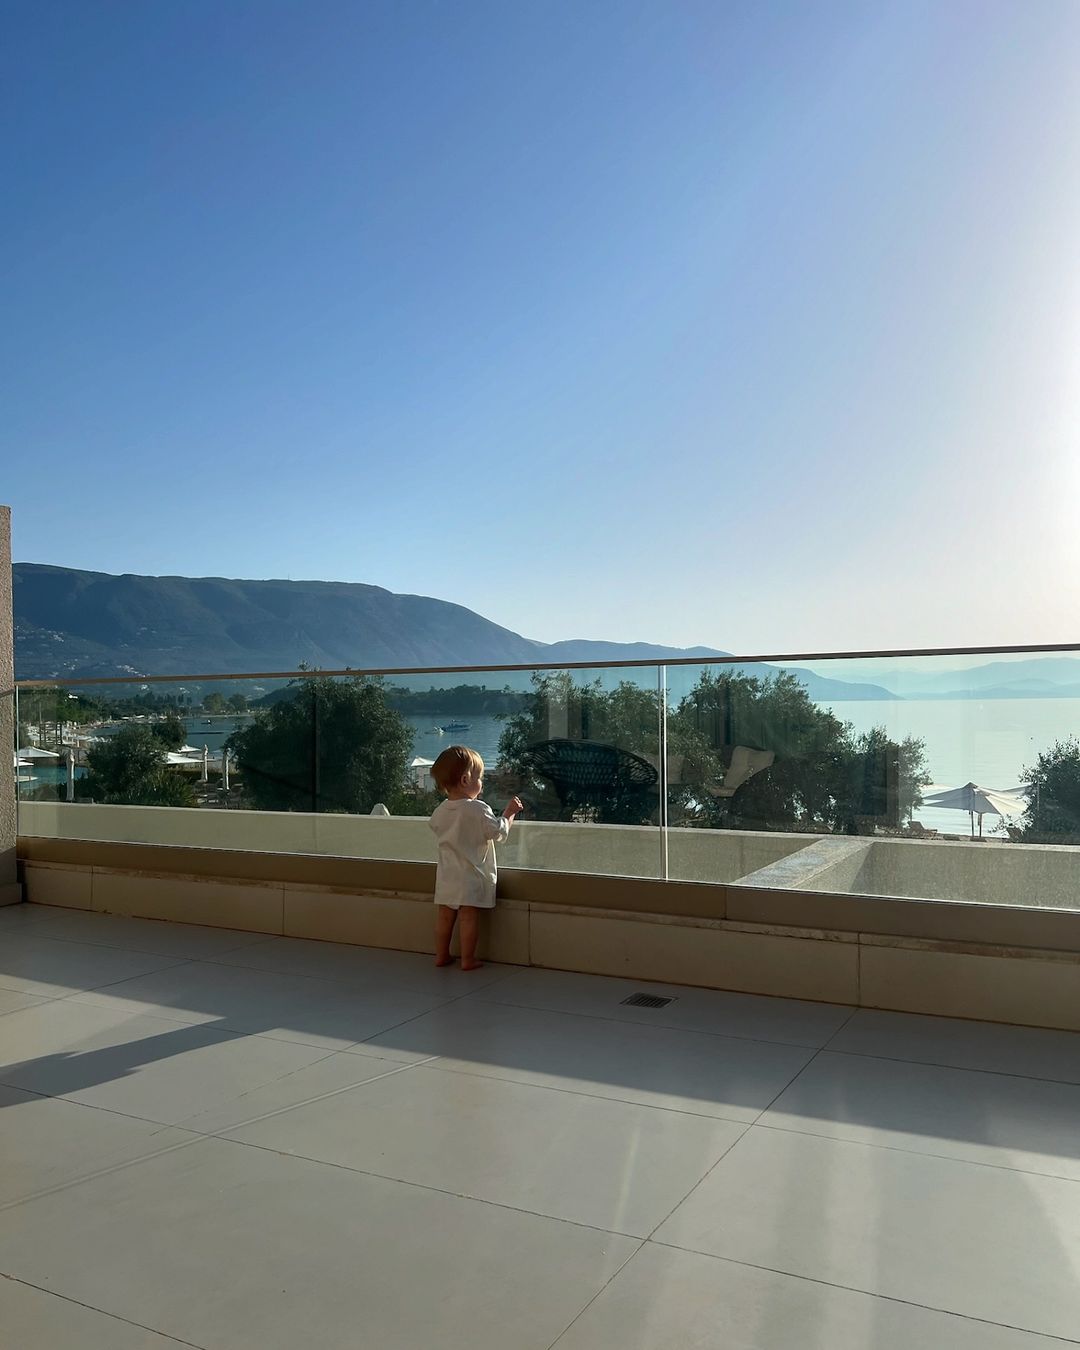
<point x="655" y="1066"/>
<point x="362" y="965"/>
<point x="979" y="1241"/>
<point x="788" y="1021"/>
<point x="331" y="1014"/>
<point x="15" y="918"/>
<point x="33" y="964"/>
<point x="959" y="1113"/>
<point x="185" y="941"/>
<point x="314" y="1081"/>
<point x="673" y="1300"/>
<point x="237" y="1248"/>
<point x="604" y="1163"/>
<point x="1026" y="1051"/>
<point x="11" y="1000"/>
<point x="47" y="1142"/>
<point x="34" y="1319"/>
<point x="138" y="1065"/>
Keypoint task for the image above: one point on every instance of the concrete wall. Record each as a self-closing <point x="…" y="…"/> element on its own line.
<point x="1031" y="875"/>
<point x="825" y="864"/>
<point x="605" y="850"/>
<point x="995" y="874"/>
<point x="10" y="891"/>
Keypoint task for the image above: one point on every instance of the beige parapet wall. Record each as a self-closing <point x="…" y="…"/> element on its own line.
<point x="980" y="873"/>
<point x="1032" y="875"/>
<point x="791" y="915"/>
<point x="608" y="850"/>
<point x="1024" y="984"/>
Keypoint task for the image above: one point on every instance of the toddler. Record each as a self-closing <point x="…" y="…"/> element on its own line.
<point x="467" y="830"/>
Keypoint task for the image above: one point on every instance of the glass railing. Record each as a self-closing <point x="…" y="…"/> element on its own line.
<point x="945" y="776"/>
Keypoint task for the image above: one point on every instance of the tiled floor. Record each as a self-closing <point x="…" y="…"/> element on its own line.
<point x="234" y="1142"/>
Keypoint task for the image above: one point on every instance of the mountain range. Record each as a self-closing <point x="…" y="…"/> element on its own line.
<point x="76" y="624"/>
<point x="1016" y="677"/>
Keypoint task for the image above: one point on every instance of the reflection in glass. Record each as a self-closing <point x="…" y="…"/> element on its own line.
<point x="717" y="771"/>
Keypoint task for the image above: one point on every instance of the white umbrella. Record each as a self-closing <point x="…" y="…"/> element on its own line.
<point x="225" y="770"/>
<point x="184" y="761"/>
<point x="980" y="801"/>
<point x="32" y="752"/>
<point x="205" y="763"/>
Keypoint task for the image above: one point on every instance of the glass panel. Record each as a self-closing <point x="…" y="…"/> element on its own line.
<point x="748" y="755"/>
<point x="580" y="748"/>
<point x="340" y="765"/>
<point x="944" y="778"/>
<point x="841" y="776"/>
<point x="91" y="756"/>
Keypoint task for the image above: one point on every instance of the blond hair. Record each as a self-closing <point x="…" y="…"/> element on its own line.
<point x="453" y="764"/>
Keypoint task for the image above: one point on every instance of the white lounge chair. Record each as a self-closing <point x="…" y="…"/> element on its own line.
<point x="744" y="764"/>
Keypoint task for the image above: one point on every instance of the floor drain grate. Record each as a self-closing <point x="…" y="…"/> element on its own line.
<point x="647" y="1001"/>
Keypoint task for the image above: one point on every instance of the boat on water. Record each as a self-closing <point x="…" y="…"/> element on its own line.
<point x="455" y="726"/>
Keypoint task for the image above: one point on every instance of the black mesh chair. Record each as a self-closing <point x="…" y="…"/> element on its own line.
<point x="594" y="775"/>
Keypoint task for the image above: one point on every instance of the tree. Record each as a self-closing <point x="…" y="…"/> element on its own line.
<point x="238" y="703"/>
<point x="556" y="707"/>
<point x="1053" y="810"/>
<point x="881" y="782"/>
<point x="169" y="731"/>
<point x="463" y="700"/>
<point x="914" y="775"/>
<point x="128" y="769"/>
<point x="808" y="783"/>
<point x="214" y="703"/>
<point x="333" y="745"/>
<point x="823" y="777"/>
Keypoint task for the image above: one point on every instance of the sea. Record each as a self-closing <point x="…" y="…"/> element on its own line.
<point x="988" y="742"/>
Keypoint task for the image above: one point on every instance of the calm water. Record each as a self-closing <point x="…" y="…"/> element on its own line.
<point x="989" y="742"/>
<point x="483" y="735"/>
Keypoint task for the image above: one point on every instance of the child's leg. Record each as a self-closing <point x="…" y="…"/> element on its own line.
<point x="469" y="930"/>
<point x="444" y="931"/>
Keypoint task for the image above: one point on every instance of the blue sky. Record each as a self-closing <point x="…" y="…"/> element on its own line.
<point x="754" y="325"/>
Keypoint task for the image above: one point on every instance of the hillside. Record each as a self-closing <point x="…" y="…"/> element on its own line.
<point x="73" y="623"/>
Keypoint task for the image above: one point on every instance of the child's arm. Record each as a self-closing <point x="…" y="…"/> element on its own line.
<point x="496" y="828"/>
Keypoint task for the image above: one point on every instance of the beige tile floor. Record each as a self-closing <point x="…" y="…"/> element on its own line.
<point x="225" y="1141"/>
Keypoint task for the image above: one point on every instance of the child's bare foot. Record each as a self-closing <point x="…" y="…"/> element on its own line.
<point x="446" y="960"/>
<point x="472" y="965"/>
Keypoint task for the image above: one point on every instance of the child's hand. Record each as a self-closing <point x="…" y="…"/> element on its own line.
<point x="513" y="807"/>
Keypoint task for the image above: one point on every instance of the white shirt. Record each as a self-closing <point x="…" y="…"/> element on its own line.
<point x="467" y="831"/>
